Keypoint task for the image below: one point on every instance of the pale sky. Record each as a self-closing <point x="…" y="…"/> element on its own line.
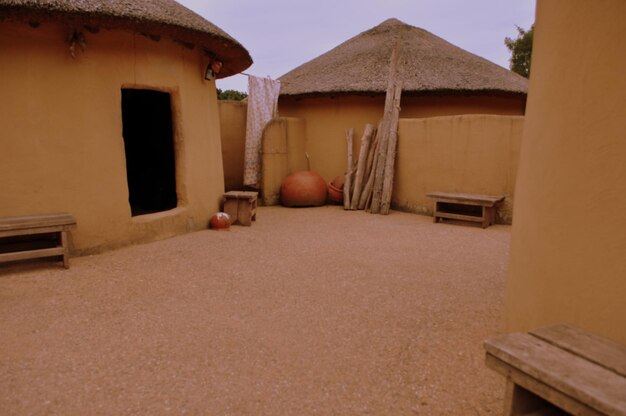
<point x="283" y="34"/>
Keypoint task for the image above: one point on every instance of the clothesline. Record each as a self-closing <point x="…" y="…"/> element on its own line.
<point x="250" y="75"/>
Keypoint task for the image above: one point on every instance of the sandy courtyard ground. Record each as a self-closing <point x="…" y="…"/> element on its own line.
<point x="314" y="311"/>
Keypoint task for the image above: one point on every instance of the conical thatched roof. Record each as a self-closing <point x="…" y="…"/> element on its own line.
<point x="152" y="17"/>
<point x="428" y="66"/>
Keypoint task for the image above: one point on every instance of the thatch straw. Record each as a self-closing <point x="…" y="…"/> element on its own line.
<point x="152" y="17"/>
<point x="429" y="66"/>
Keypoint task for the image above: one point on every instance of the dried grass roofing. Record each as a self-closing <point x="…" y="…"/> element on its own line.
<point x="152" y="17"/>
<point x="428" y="65"/>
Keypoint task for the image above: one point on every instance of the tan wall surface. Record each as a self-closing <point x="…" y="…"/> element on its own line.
<point x="568" y="250"/>
<point x="327" y="118"/>
<point x="233" y="128"/>
<point x="472" y="154"/>
<point x="416" y="107"/>
<point x="62" y="145"/>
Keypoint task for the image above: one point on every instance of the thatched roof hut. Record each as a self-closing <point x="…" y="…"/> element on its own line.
<point x="155" y="18"/>
<point x="113" y="116"/>
<point x="429" y="65"/>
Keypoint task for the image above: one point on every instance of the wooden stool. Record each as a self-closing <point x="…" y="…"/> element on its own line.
<point x="240" y="206"/>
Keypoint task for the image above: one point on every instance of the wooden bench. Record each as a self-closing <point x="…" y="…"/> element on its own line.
<point x="13" y="247"/>
<point x="240" y="206"/>
<point x="560" y="369"/>
<point x="466" y="207"/>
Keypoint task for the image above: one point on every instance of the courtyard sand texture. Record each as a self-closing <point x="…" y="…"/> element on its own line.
<point x="308" y="311"/>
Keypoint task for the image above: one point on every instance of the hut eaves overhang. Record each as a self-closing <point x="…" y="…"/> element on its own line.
<point x="154" y="18"/>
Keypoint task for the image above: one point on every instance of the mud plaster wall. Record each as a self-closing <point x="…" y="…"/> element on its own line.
<point x="471" y="153"/>
<point x="233" y="122"/>
<point x="327" y="118"/>
<point x="568" y="246"/>
<point x="62" y="145"/>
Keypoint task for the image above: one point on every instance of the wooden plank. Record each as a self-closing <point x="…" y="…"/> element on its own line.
<point x="244" y="212"/>
<point x="369" y="185"/>
<point x="361" y="164"/>
<point x="231" y="205"/>
<point x="33" y="231"/>
<point x="466" y="198"/>
<point x="385" y="203"/>
<point x="347" y="183"/>
<point x="465" y="202"/>
<point x="241" y="194"/>
<point x="377" y="189"/>
<point x="379" y="170"/>
<point x="571" y="375"/>
<point x="601" y="351"/>
<point x="514" y="403"/>
<point x="31" y="254"/>
<point x="66" y="249"/>
<point x="36" y="221"/>
<point x="368" y="168"/>
<point x="439" y="214"/>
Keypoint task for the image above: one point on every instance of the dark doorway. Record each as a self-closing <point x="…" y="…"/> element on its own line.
<point x="149" y="145"/>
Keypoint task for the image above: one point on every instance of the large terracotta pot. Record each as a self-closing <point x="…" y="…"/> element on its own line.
<point x="303" y="189"/>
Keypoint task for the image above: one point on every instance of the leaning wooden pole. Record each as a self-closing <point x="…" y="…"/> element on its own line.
<point x="377" y="190"/>
<point x="385" y="203"/>
<point x="368" y="178"/>
<point x="361" y="164"/>
<point x="347" y="186"/>
<point x="366" y="195"/>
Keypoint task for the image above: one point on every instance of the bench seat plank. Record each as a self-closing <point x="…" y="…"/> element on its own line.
<point x="35" y="230"/>
<point x="484" y="200"/>
<point x="36" y="221"/>
<point x="547" y="366"/>
<point x="601" y="351"/>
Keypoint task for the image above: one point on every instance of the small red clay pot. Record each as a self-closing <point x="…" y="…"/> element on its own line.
<point x="337" y="182"/>
<point x="335" y="195"/>
<point x="220" y="221"/>
<point x="303" y="189"/>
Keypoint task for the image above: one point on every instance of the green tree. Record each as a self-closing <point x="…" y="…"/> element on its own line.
<point x="230" y="95"/>
<point x="521" y="50"/>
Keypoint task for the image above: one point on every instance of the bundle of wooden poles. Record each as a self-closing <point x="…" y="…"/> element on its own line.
<point x="369" y="179"/>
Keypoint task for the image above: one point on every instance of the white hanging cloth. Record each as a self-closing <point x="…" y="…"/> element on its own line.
<point x="262" y="102"/>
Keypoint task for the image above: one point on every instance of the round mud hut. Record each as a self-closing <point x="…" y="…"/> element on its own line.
<point x="345" y="87"/>
<point x="109" y="112"/>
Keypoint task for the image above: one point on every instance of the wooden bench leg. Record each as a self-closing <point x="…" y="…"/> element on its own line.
<point x="486" y="217"/>
<point x="244" y="212"/>
<point x="520" y="402"/>
<point x="66" y="250"/>
<point x="491" y="214"/>
<point x="230" y="207"/>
